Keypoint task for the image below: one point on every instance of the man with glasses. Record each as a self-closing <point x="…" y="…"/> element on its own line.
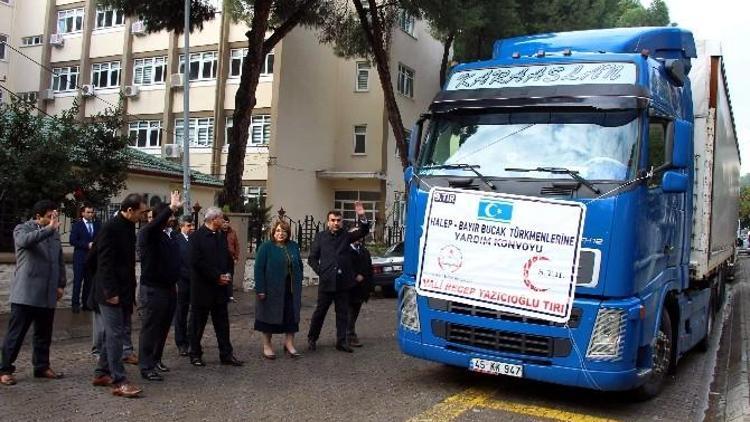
<point x="330" y="258"/>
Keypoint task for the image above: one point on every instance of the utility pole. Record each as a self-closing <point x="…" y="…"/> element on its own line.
<point x="186" y="112"/>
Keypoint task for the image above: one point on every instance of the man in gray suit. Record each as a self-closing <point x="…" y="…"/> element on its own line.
<point x="38" y="283"/>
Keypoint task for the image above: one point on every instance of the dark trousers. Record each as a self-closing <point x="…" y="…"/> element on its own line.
<point x="181" y="318"/>
<point x="81" y="283"/>
<point x="158" y="305"/>
<point x="340" y="300"/>
<point x="110" y="363"/>
<point x="21" y="317"/>
<point x="354" y="308"/>
<point x="220" y="319"/>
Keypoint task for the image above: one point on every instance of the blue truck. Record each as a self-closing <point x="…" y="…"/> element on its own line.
<point x="632" y="130"/>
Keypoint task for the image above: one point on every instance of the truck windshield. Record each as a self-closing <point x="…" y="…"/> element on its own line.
<point x="598" y="145"/>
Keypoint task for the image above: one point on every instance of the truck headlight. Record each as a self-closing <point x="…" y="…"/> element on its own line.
<point x="409" y="311"/>
<point x="606" y="339"/>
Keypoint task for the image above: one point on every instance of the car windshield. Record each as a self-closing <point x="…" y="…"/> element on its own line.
<point x="598" y="145"/>
<point x="395" y="250"/>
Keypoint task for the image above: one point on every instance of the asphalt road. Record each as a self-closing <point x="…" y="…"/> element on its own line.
<point x="376" y="383"/>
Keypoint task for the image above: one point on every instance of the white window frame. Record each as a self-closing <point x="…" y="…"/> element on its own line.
<point x="145" y="71"/>
<point x="346" y="206"/>
<point x="3" y="47"/>
<point x="116" y="16"/>
<point x="207" y="60"/>
<point x="70" y="84"/>
<point x="260" y="130"/>
<point x="150" y="129"/>
<point x="362" y="74"/>
<point x="406" y="22"/>
<point x="201" y="132"/>
<point x="31" y="41"/>
<point x="76" y="21"/>
<point x="237" y="59"/>
<point x="405" y="81"/>
<point x="257" y="193"/>
<point x="107" y="70"/>
<point x="360" y="132"/>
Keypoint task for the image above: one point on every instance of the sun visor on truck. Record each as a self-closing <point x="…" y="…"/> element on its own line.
<point x="616" y="96"/>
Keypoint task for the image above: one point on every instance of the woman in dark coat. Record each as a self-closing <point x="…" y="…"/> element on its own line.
<point x="278" y="289"/>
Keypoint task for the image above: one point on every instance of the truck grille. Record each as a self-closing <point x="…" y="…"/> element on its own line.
<point x="502" y="341"/>
<point x="465" y="309"/>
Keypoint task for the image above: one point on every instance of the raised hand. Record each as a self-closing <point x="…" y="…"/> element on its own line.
<point x="175" y="201"/>
<point x="54" y="221"/>
<point x="359" y="209"/>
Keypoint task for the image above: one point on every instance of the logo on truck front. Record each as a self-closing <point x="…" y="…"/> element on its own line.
<point x="495" y="211"/>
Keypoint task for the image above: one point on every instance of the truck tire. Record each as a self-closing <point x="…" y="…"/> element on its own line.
<point x="662" y="361"/>
<point x="704" y="344"/>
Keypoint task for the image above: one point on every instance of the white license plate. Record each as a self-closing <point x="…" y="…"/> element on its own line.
<point x="396" y="268"/>
<point x="495" y="368"/>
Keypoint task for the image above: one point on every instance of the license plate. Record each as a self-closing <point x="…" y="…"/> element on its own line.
<point x="495" y="368"/>
<point x="396" y="268"/>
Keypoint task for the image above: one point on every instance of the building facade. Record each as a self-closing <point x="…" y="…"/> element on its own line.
<point x="319" y="137"/>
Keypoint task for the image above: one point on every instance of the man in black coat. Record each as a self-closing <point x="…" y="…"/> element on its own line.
<point x="183" y="286"/>
<point x="208" y="254"/>
<point x="160" y="270"/>
<point x="114" y="292"/>
<point x="360" y="293"/>
<point x="330" y="258"/>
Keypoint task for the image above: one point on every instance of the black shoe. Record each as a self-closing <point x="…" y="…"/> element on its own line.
<point x="183" y="351"/>
<point x="232" y="361"/>
<point x="343" y="347"/>
<point x="152" y="376"/>
<point x="76" y="309"/>
<point x="161" y="367"/>
<point x="311" y="345"/>
<point x="197" y="362"/>
<point x="86" y="309"/>
<point x="354" y="341"/>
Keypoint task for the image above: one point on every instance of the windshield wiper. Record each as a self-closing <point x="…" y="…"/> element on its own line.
<point x="559" y="170"/>
<point x="470" y="167"/>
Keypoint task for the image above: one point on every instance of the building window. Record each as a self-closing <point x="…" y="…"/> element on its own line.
<point x="65" y="78"/>
<point x="107" y="18"/>
<point x="259" y="132"/>
<point x="406" y="22"/>
<point x="363" y="76"/>
<point x="202" y="66"/>
<point x="105" y="75"/>
<point x="150" y="71"/>
<point x="201" y="131"/>
<point x="31" y="41"/>
<point x="145" y="133"/>
<point x="3" y="50"/>
<point x="254" y="194"/>
<point x="405" y="82"/>
<point x="237" y="58"/>
<point x="344" y="202"/>
<point x="360" y="139"/>
<point x="70" y="20"/>
<point x="28" y="97"/>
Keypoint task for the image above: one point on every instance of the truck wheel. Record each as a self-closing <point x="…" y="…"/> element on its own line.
<point x="661" y="361"/>
<point x="704" y="344"/>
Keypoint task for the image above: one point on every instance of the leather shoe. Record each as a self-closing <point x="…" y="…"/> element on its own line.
<point x="161" y="367"/>
<point x="183" y="351"/>
<point x="232" y="361"/>
<point x="311" y="346"/>
<point x="7" y="379"/>
<point x="152" y="376"/>
<point x="48" y="374"/>
<point x="102" y="381"/>
<point x="131" y="359"/>
<point x="343" y="347"/>
<point x="197" y="362"/>
<point x="354" y="342"/>
<point x="126" y="390"/>
<point x="76" y="309"/>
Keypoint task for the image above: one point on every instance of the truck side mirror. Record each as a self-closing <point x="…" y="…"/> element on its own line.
<point x="681" y="144"/>
<point x="413" y="142"/>
<point x="674" y="182"/>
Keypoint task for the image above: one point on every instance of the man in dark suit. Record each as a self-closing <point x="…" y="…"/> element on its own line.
<point x="38" y="283"/>
<point x="160" y="269"/>
<point x="330" y="258"/>
<point x="210" y="274"/>
<point x="81" y="236"/>
<point x="114" y="292"/>
<point x="360" y="293"/>
<point x="183" y="287"/>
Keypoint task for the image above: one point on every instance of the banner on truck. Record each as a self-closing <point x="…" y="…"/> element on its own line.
<point x="505" y="252"/>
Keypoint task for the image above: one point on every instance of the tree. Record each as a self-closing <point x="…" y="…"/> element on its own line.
<point x="277" y="16"/>
<point x="745" y="206"/>
<point x="57" y="158"/>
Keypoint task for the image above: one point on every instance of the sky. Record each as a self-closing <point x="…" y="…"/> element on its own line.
<point x="725" y="21"/>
